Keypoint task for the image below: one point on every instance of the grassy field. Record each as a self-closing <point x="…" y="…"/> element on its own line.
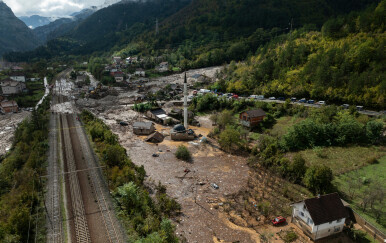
<point x="366" y="184"/>
<point x="342" y="159"/>
<point x="283" y="124"/>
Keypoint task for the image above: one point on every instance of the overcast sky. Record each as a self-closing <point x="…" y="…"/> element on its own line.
<point x="49" y="8"/>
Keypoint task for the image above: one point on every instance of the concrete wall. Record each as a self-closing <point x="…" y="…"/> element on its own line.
<point x="369" y="228"/>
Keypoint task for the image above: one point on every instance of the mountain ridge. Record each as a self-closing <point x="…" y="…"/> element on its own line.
<point x="14" y="33"/>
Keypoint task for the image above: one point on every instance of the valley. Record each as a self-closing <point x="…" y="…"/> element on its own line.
<point x="166" y="121"/>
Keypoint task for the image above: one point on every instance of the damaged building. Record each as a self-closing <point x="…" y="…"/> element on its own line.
<point x="143" y="128"/>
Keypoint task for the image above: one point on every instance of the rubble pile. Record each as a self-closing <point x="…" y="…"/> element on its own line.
<point x="8" y="125"/>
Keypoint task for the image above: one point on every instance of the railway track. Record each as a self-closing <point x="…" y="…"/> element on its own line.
<point x="100" y="189"/>
<point x="81" y="226"/>
<point x="91" y="217"/>
<point x="53" y="199"/>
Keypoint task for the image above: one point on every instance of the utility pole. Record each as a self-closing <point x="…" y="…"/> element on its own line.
<point x="291" y="23"/>
<point x="156" y="27"/>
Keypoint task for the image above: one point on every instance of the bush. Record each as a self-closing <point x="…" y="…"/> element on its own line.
<point x="230" y="139"/>
<point x="290" y="236"/>
<point x="183" y="153"/>
<point x="372" y="160"/>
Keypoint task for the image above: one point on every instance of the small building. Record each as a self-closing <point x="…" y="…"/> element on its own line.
<point x="119" y="77"/>
<point x="155" y="138"/>
<point x="321" y="216"/>
<point x="131" y="60"/>
<point x="117" y="60"/>
<point x="179" y="133"/>
<point x="143" y="128"/>
<point x="80" y="80"/>
<point x="252" y="118"/>
<point x="8" y="107"/>
<point x="140" y="72"/>
<point x="17" y="77"/>
<point x="10" y="87"/>
<point x="159" y="115"/>
<point x="163" y="67"/>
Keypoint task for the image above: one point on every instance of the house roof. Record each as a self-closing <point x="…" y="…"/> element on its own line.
<point x="144" y="125"/>
<point x="155" y="138"/>
<point x="11" y="83"/>
<point x="326" y="208"/>
<point x="119" y="74"/>
<point x="10" y="103"/>
<point x="158" y="111"/>
<point x="256" y="113"/>
<point x="16" y="75"/>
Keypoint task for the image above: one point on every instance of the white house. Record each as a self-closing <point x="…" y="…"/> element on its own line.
<point x="140" y="72"/>
<point x="17" y="77"/>
<point x="10" y="87"/>
<point x="321" y="216"/>
<point x="131" y="60"/>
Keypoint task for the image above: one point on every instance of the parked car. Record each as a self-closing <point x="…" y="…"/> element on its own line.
<point x="253" y="96"/>
<point x="303" y="100"/>
<point x="194" y="92"/>
<point x="260" y="97"/>
<point x="214" y="185"/>
<point x="272" y="98"/>
<point x="279" y="220"/>
<point x="359" y="108"/>
<point x="311" y="102"/>
<point x="122" y="123"/>
<point x="235" y="96"/>
<point x="155" y="155"/>
<point x="345" y="106"/>
<point x="293" y="99"/>
<point x="321" y="102"/>
<point x="281" y="98"/>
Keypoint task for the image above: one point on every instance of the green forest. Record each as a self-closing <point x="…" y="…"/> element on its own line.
<point x="22" y="216"/>
<point x="343" y="63"/>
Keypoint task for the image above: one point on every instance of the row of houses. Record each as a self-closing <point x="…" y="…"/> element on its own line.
<point x="11" y="87"/>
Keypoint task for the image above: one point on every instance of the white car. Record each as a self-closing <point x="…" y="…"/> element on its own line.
<point x="272" y="98"/>
<point x="321" y="102"/>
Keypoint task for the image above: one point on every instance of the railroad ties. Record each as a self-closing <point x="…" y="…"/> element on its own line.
<point x="53" y="199"/>
<point x="81" y="227"/>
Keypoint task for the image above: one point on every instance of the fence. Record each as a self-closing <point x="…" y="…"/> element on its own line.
<point x="371" y="229"/>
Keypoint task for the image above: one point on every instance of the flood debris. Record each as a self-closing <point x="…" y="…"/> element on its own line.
<point x="155" y="138"/>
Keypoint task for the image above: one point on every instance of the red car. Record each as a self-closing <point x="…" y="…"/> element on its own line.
<point x="278" y="220"/>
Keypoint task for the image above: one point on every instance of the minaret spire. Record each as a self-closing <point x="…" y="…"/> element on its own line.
<point x="185" y="103"/>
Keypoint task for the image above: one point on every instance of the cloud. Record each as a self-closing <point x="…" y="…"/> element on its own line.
<point x="49" y="8"/>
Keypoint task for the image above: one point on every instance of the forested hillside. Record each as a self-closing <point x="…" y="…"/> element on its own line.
<point x="345" y="62"/>
<point x="192" y="33"/>
<point x="211" y="32"/>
